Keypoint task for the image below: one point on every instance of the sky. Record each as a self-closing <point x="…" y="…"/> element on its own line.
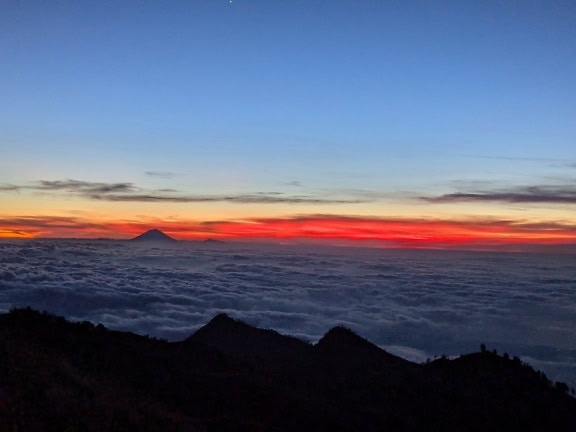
<point x="398" y="124"/>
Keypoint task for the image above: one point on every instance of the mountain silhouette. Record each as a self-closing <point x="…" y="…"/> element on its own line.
<point x="57" y="375"/>
<point x="341" y="342"/>
<point x="154" y="236"/>
<point x="343" y="356"/>
<point x="242" y="341"/>
<point x="213" y="241"/>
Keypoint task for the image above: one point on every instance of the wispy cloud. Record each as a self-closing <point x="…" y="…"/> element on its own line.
<point x="84" y="187"/>
<point x="555" y="162"/>
<point x="10" y="188"/>
<point x="276" y="198"/>
<point x="129" y="192"/>
<point x="72" y="186"/>
<point x="563" y="194"/>
<point x="161" y="174"/>
<point x="521" y="158"/>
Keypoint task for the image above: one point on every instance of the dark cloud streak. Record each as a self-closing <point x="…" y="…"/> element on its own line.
<point x="273" y="198"/>
<point x="128" y="192"/>
<point x="10" y="188"/>
<point x="73" y="186"/>
<point x="161" y="174"/>
<point x="84" y="187"/>
<point x="523" y="195"/>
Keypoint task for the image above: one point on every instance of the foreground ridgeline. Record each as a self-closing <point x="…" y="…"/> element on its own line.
<point x="61" y="376"/>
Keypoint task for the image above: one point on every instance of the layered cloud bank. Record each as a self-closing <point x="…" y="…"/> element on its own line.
<point x="299" y="213"/>
<point x="416" y="303"/>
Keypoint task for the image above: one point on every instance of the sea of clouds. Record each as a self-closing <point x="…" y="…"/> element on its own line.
<point x="416" y="304"/>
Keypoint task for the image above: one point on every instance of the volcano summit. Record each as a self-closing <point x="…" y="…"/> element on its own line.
<point x="153" y="236"/>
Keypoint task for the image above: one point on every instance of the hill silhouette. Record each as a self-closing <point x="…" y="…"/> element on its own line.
<point x="213" y="241"/>
<point x="153" y="236"/>
<point x="261" y="347"/>
<point x="228" y="376"/>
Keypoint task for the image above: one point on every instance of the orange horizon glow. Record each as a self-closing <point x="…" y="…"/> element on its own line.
<point x="391" y="232"/>
<point x="15" y="234"/>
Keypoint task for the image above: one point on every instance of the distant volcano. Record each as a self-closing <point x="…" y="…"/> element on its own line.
<point x="155" y="236"/>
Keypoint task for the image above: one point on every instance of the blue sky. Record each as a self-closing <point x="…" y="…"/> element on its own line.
<point x="299" y="97"/>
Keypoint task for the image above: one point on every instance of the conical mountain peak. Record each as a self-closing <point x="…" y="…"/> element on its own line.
<point x="341" y="337"/>
<point x="344" y="346"/>
<point x="241" y="340"/>
<point x="153" y="235"/>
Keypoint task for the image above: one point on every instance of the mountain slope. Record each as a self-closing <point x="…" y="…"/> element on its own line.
<point x="259" y="346"/>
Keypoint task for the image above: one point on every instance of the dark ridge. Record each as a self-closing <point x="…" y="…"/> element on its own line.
<point x="346" y="359"/>
<point x="238" y="339"/>
<point x="343" y="342"/>
<point x="56" y="375"/>
<point x="153" y="235"/>
<point x="213" y="241"/>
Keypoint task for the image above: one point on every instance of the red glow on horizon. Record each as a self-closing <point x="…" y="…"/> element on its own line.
<point x="391" y="232"/>
<point x="396" y="232"/>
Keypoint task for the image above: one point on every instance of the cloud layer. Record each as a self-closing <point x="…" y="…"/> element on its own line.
<point x="419" y="303"/>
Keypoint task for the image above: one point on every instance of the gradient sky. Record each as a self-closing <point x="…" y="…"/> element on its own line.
<point x="420" y="124"/>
